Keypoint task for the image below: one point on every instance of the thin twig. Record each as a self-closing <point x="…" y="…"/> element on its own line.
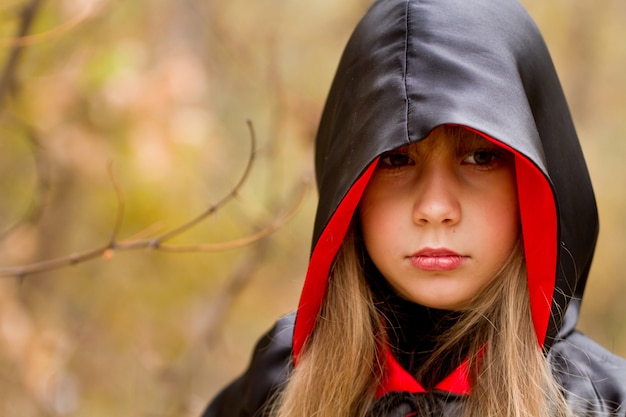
<point x="30" y="269"/>
<point x="107" y="250"/>
<point x="212" y="209"/>
<point x="237" y="243"/>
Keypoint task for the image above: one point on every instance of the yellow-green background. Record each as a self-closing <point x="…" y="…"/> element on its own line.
<point x="163" y="89"/>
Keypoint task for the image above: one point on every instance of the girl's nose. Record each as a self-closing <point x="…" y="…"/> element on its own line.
<point x="437" y="199"/>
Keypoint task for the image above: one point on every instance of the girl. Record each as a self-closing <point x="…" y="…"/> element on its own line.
<point x="454" y="234"/>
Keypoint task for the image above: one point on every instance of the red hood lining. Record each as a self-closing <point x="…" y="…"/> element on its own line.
<point x="540" y="249"/>
<point x="321" y="260"/>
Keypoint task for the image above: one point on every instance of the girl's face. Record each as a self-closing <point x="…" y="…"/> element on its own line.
<point x="440" y="217"/>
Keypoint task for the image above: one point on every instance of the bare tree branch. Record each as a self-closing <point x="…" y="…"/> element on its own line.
<point x="106" y="251"/>
<point x="211" y="210"/>
<point x="237" y="243"/>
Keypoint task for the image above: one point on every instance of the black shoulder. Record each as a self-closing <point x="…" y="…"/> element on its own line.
<point x="594" y="379"/>
<point x="268" y="369"/>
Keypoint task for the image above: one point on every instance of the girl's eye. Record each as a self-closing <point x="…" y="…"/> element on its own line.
<point x="481" y="158"/>
<point x="395" y="160"/>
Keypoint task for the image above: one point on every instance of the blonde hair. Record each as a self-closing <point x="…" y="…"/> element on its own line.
<point x="509" y="373"/>
<point x="340" y="366"/>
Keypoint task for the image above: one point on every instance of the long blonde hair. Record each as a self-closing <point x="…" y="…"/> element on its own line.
<point x="340" y="365"/>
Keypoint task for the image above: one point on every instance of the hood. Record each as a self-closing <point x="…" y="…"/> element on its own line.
<point x="413" y="65"/>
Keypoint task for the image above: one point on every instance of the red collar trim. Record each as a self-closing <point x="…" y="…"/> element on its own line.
<point x="396" y="378"/>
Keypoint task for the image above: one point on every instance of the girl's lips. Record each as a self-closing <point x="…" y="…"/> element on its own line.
<point x="436" y="260"/>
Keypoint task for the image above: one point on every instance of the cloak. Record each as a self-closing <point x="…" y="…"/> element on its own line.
<point x="409" y="67"/>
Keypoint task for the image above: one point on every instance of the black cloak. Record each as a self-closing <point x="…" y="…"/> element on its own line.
<point x="413" y="65"/>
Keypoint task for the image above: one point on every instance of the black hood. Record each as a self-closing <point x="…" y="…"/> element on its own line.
<point x="413" y="65"/>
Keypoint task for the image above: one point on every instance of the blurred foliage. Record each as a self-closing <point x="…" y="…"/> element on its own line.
<point x="163" y="89"/>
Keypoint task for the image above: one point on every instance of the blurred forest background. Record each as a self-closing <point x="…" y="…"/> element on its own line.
<point x="160" y="90"/>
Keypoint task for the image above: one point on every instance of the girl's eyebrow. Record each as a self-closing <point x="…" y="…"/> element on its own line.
<point x="468" y="142"/>
<point x="402" y="149"/>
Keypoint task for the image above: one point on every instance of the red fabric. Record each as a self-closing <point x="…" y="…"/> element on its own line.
<point x="321" y="260"/>
<point x="458" y="381"/>
<point x="539" y="225"/>
<point x="539" y="228"/>
<point x="396" y="378"/>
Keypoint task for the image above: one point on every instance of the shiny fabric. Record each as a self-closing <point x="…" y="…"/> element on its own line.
<point x="593" y="379"/>
<point x="413" y="65"/>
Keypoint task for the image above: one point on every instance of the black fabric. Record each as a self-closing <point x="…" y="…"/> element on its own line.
<point x="411" y="66"/>
<point x="396" y="404"/>
<point x="403" y="404"/>
<point x="249" y="394"/>
<point x="414" y="331"/>
<point x="593" y="378"/>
